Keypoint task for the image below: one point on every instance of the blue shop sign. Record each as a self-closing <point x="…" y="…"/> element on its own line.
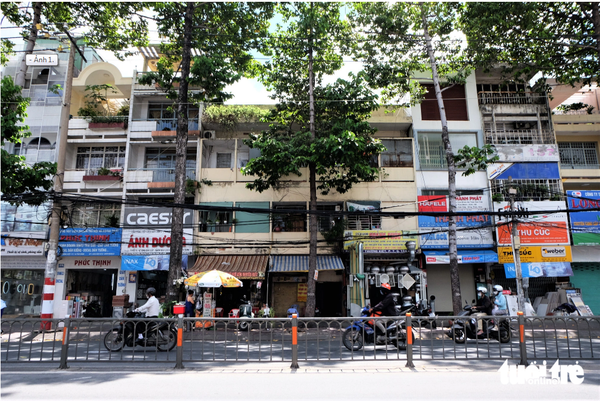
<point x="90" y="241"/>
<point x="149" y="262"/>
<point x="585" y="226"/>
<point x="543" y="269"/>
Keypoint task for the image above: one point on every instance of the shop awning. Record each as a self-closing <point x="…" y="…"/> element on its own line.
<point x="477" y="256"/>
<point x="246" y="267"/>
<point x="299" y="263"/>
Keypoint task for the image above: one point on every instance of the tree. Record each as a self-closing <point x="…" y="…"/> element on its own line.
<point x="401" y="40"/>
<point x="223" y="34"/>
<point x="20" y="183"/>
<point x="320" y="126"/>
<point x="109" y="25"/>
<point x="559" y="39"/>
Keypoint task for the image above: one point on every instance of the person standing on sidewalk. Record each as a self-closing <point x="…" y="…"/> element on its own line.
<point x="189" y="309"/>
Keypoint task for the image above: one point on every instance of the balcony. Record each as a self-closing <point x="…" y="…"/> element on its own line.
<point x="160" y="129"/>
<point x="81" y="130"/>
<point x="519" y="98"/>
<point x="520" y="137"/>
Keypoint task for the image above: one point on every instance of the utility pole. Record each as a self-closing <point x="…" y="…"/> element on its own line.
<point x="50" y="270"/>
<point x="515" y="242"/>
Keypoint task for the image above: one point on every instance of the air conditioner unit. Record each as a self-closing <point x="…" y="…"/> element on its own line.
<point x="209" y="135"/>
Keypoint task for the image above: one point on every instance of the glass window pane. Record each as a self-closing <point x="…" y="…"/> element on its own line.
<point x="223" y="160"/>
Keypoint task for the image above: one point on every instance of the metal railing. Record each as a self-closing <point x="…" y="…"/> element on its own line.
<point x="520" y="137"/>
<point x="167" y="174"/>
<point x="316" y="339"/>
<point x="493" y="97"/>
<point x="170" y="124"/>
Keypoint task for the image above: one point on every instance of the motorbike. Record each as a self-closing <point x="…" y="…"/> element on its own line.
<point x="494" y="328"/>
<point x="364" y="331"/>
<point x="420" y="309"/>
<point x="161" y="335"/>
<point x="245" y="314"/>
<point x="92" y="309"/>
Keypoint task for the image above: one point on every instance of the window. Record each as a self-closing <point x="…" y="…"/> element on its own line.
<point x="578" y="155"/>
<point x="216" y="221"/>
<point x="398" y="153"/>
<point x="39" y="150"/>
<point x="432" y="155"/>
<point x="455" y="103"/>
<point x="327" y="221"/>
<point x="24" y="218"/>
<point x="223" y="160"/>
<point x="95" y="215"/>
<point x="529" y="189"/>
<point x="290" y="222"/>
<point x="252" y="222"/>
<point x="91" y="159"/>
<point x="167" y="120"/>
<point x="162" y="162"/>
<point x="362" y="221"/>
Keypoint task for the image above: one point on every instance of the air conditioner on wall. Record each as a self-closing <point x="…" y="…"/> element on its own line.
<point x="209" y="135"/>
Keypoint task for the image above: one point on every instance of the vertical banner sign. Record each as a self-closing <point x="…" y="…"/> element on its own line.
<point x="302" y="292"/>
<point x="585" y="226"/>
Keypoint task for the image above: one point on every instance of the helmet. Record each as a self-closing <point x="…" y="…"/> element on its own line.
<point x="497" y="289"/>
<point x="150" y="291"/>
<point x="482" y="290"/>
<point x="386" y="286"/>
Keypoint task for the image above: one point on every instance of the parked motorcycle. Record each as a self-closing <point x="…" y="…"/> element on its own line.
<point x="464" y="328"/>
<point x="161" y="335"/>
<point x="417" y="310"/>
<point x="245" y="315"/>
<point x="364" y="331"/>
<point x="92" y="309"/>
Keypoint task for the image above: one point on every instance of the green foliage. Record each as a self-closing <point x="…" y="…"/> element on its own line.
<point x="474" y="158"/>
<point x="192" y="185"/>
<point x="113" y="26"/>
<point x="6" y="49"/>
<point x="166" y="309"/>
<point x="112" y="221"/>
<point x="560" y="39"/>
<point x="575" y="107"/>
<point x="20" y="183"/>
<point x="230" y="116"/>
<point x="96" y="101"/>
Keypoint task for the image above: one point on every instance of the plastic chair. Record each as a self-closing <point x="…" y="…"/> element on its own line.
<point x="234" y="313"/>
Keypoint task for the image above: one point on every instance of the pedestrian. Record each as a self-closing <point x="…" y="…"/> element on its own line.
<point x="189" y="308"/>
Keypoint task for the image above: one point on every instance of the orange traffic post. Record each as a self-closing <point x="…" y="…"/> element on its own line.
<point x="179" y="353"/>
<point x="522" y="345"/>
<point x="64" y="352"/>
<point x="409" y="342"/>
<point x="294" y="342"/>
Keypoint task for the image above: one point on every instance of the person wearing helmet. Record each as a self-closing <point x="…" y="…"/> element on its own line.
<point x="387" y="307"/>
<point x="501" y="308"/>
<point x="151" y="307"/>
<point x="484" y="307"/>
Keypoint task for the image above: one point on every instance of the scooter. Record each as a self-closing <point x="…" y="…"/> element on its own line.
<point x="245" y="315"/>
<point x="161" y="335"/>
<point x="418" y="310"/>
<point x="364" y="331"/>
<point x="464" y="328"/>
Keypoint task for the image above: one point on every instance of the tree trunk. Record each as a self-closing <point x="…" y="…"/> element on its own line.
<point x="452" y="248"/>
<point x="37" y="15"/>
<point x="312" y="205"/>
<point x="180" y="159"/>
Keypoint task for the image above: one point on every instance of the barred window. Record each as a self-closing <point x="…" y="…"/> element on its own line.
<point x="398" y="153"/>
<point x="578" y="155"/>
<point x="93" y="158"/>
<point x="362" y="221"/>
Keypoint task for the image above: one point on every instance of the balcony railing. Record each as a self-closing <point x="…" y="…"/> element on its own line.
<point x="42" y="155"/>
<point x="520" y="137"/>
<point x="170" y="124"/>
<point x="167" y="174"/>
<point x="511" y="98"/>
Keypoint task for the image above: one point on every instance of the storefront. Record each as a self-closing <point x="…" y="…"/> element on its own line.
<point x="250" y="269"/>
<point x="22" y="279"/>
<point x="288" y="279"/>
<point x="87" y="275"/>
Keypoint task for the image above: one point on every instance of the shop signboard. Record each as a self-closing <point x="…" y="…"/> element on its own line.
<point x="539" y="228"/>
<point x="381" y="241"/>
<point x="90" y="241"/>
<point x="153" y="217"/>
<point x="536" y="254"/>
<point x="22" y="244"/>
<point x="93" y="262"/>
<point x="153" y="242"/>
<point x="527" y="153"/>
<point x="23" y="262"/>
<point x="473" y="231"/>
<point x="585" y="226"/>
<point x="545" y="269"/>
<point x="149" y="262"/>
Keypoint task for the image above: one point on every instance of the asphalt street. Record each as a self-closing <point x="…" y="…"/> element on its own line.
<point x="468" y="380"/>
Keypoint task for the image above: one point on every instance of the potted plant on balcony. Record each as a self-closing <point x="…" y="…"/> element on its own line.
<point x="100" y="111"/>
<point x="105" y="174"/>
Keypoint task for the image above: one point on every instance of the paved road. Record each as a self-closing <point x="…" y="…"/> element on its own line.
<point x="276" y="381"/>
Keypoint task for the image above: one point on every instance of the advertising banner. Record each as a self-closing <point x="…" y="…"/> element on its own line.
<point x="442" y="257"/>
<point x="585" y="226"/>
<point x="110" y="262"/>
<point x="151" y="262"/>
<point x="527" y="153"/>
<point x="533" y="254"/>
<point x="153" y="242"/>
<point x="25" y="245"/>
<point x="153" y="217"/>
<point x="534" y="229"/>
<point x="472" y="231"/>
<point x="381" y="241"/>
<point x="90" y="241"/>
<point x="548" y="269"/>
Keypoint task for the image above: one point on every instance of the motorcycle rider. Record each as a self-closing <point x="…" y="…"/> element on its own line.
<point x="151" y="307"/>
<point x="484" y="306"/>
<point x="387" y="307"/>
<point x="500" y="302"/>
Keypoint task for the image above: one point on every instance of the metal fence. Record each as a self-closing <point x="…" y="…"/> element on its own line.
<point x="301" y="340"/>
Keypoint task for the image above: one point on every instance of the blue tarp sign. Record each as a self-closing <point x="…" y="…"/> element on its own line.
<point x="149" y="262"/>
<point x="545" y="269"/>
<point x="90" y="241"/>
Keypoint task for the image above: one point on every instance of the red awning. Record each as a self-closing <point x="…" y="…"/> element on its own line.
<point x="246" y="267"/>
